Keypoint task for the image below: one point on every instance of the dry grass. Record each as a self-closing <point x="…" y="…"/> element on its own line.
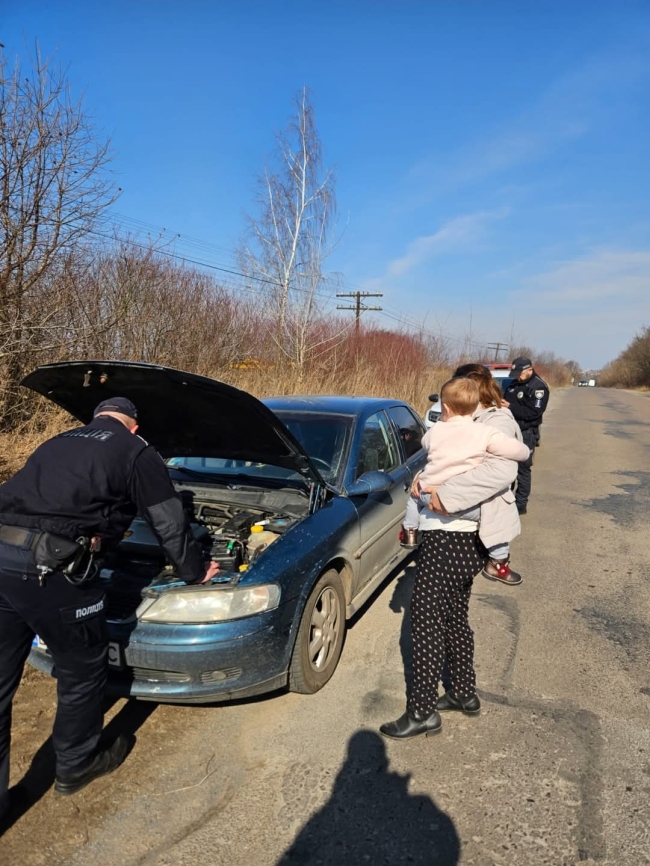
<point x="15" y="447"/>
<point x="411" y="385"/>
<point x="414" y="386"/>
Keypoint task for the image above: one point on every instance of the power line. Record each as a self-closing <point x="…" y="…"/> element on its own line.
<point x="210" y="266"/>
<point x="496" y="348"/>
<point x="358" y="307"/>
<point x="439" y="335"/>
<point x="174" y="237"/>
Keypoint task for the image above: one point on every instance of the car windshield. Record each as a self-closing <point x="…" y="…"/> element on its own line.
<point x="324" y="437"/>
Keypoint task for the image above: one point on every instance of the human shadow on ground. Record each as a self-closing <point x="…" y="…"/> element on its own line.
<point x="39" y="778"/>
<point x="400" y="602"/>
<point x="370" y="817"/>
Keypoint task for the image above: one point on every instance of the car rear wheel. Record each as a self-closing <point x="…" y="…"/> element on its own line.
<point x="320" y="636"/>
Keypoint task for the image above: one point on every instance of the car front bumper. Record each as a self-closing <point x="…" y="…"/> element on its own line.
<point x="194" y="663"/>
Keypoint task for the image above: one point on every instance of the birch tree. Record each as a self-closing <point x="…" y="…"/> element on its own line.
<point x="289" y="240"/>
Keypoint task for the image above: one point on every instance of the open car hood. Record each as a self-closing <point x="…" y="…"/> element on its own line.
<point x="181" y="414"/>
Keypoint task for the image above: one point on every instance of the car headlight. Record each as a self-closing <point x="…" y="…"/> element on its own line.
<point x="211" y="605"/>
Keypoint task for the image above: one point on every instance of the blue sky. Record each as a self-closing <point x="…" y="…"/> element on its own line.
<point x="492" y="157"/>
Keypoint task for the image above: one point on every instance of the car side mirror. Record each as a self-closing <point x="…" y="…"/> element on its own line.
<point x="374" y="481"/>
<point x="433" y="398"/>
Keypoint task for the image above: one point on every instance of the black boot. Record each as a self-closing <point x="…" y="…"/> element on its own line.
<point x="103" y="763"/>
<point x="412" y="725"/>
<point x="469" y="706"/>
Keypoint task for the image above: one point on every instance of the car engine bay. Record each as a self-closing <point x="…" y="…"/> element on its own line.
<point x="233" y="531"/>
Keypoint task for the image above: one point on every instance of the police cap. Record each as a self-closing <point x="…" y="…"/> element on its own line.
<point x="117" y="404"/>
<point x="519" y="365"/>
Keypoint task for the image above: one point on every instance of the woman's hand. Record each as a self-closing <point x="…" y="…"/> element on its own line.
<point x="436" y="505"/>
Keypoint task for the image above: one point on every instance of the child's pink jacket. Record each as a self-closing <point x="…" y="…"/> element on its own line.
<point x="456" y="445"/>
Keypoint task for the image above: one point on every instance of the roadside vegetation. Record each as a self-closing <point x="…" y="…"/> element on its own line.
<point x="632" y="367"/>
<point x="72" y="287"/>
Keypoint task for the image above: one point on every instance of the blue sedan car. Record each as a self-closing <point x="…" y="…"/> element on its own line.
<point x="299" y="500"/>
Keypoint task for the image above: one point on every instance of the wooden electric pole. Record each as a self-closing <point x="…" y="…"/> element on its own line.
<point x="359" y="307"/>
<point x="498" y="347"/>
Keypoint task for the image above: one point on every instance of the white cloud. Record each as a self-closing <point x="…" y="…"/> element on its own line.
<point x="623" y="275"/>
<point x="457" y="234"/>
<point x="569" y="109"/>
<point x="588" y="308"/>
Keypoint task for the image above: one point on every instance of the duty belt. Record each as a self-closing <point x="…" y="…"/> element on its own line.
<point x="51" y="552"/>
<point x="18" y="537"/>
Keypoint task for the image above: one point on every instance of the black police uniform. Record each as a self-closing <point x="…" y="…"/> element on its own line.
<point x="527" y="403"/>
<point x="87" y="482"/>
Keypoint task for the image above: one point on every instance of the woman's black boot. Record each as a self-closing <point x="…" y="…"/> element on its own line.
<point x="469" y="706"/>
<point x="412" y="724"/>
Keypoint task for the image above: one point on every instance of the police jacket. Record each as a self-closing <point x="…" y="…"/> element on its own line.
<point x="93" y="480"/>
<point x="528" y="401"/>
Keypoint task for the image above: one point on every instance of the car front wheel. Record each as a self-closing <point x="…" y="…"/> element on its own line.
<point x="320" y="636"/>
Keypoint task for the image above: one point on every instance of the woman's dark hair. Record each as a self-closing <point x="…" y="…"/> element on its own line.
<point x="490" y="393"/>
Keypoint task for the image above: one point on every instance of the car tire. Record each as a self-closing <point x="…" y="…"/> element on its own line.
<point x="320" y="636"/>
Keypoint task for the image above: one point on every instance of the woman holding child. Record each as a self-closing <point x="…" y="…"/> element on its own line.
<point x="472" y="463"/>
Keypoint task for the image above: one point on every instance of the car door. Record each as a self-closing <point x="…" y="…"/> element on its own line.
<point x="380" y="514"/>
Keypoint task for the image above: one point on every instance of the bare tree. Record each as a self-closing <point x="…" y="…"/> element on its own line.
<point x="288" y="242"/>
<point x="53" y="188"/>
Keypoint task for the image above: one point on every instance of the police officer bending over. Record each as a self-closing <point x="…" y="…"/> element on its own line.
<point x="76" y="492"/>
<point x="526" y="398"/>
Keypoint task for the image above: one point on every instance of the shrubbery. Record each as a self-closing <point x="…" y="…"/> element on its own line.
<point x="632" y="367"/>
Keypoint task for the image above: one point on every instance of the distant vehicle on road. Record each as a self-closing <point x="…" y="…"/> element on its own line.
<point x="583" y="383"/>
<point x="500" y="372"/>
<point x="592" y="383"/>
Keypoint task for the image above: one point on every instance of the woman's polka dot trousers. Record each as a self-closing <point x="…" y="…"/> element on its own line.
<point x="447" y="564"/>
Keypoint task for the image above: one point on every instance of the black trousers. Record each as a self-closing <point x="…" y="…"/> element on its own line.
<point x="447" y="565"/>
<point x="71" y="621"/>
<point x="524" y="474"/>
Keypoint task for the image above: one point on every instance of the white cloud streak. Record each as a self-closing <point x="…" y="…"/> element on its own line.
<point x="569" y="109"/>
<point x="606" y="274"/>
<point x="459" y="233"/>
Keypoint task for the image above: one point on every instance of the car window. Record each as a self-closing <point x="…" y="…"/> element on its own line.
<point x="378" y="447"/>
<point x="409" y="427"/>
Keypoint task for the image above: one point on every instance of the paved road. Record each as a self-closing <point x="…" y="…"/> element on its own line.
<point x="555" y="771"/>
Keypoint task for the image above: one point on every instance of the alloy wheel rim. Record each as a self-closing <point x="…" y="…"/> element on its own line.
<point x="324" y="629"/>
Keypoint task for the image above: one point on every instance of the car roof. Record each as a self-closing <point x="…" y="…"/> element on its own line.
<point x="336" y="405"/>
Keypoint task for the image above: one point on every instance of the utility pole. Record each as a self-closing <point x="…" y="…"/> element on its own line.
<point x="498" y="347"/>
<point x="358" y="307"/>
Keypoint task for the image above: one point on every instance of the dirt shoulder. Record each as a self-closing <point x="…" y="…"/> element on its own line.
<point x="54" y="827"/>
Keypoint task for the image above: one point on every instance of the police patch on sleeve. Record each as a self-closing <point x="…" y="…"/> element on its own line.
<point x="539" y="394"/>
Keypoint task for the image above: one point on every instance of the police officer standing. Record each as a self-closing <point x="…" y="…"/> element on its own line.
<point x="526" y="398"/>
<point x="77" y="492"/>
